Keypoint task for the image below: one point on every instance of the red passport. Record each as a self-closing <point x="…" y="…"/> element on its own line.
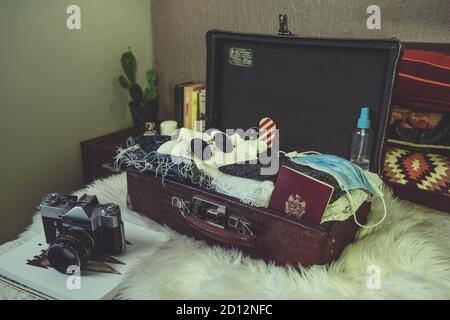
<point x="300" y="196"/>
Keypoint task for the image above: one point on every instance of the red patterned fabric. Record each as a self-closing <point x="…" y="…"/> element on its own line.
<point x="417" y="120"/>
<point x="420" y="131"/>
<point x="423" y="80"/>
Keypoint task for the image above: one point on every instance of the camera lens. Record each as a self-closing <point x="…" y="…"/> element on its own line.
<point x="70" y="252"/>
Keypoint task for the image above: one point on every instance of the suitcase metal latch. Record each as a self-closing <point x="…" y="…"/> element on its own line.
<point x="209" y="211"/>
<point x="181" y="205"/>
<point x="240" y="224"/>
<point x="213" y="213"/>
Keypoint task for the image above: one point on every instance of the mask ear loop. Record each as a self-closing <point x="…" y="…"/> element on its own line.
<point x="297" y="154"/>
<point x="281" y="152"/>
<point x="307" y="153"/>
<point x="352" y="206"/>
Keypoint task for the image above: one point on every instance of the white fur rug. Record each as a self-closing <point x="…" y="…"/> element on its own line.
<point x="410" y="252"/>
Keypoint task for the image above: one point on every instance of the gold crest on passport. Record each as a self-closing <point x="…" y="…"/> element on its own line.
<point x="295" y="206"/>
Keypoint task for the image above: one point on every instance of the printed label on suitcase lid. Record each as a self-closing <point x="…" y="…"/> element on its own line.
<point x="240" y="57"/>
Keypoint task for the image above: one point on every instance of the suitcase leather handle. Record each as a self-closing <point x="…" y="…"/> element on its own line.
<point x="224" y="236"/>
<point x="212" y="231"/>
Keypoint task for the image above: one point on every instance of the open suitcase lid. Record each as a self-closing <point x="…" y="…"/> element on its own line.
<point x="312" y="88"/>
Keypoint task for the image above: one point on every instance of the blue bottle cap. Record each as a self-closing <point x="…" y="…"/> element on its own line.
<point x="364" y="118"/>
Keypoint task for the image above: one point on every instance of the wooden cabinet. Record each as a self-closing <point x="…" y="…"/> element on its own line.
<point x="98" y="154"/>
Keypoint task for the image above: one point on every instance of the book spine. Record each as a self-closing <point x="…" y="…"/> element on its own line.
<point x="187" y="107"/>
<point x="202" y="103"/>
<point x="179" y="105"/>
<point x="194" y="113"/>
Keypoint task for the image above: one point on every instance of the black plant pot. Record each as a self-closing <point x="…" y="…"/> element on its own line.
<point x="142" y="113"/>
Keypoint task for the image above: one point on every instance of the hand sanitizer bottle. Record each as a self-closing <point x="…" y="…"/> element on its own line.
<point x="361" y="148"/>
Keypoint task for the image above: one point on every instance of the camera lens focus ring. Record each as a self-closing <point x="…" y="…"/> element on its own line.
<point x="71" y="249"/>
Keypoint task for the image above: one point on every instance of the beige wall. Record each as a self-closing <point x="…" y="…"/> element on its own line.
<point x="179" y="27"/>
<point x="58" y="87"/>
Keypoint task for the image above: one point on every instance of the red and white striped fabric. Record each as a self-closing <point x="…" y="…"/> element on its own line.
<point x="267" y="129"/>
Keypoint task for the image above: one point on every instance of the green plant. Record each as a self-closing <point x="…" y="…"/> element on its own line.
<point x="128" y="80"/>
<point x="151" y="92"/>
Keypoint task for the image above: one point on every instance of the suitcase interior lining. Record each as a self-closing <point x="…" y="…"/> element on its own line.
<point x="312" y="88"/>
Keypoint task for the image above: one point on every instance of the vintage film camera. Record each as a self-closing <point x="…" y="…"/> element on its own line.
<point x="76" y="228"/>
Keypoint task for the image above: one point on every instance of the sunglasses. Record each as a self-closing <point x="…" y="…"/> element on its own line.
<point x="201" y="149"/>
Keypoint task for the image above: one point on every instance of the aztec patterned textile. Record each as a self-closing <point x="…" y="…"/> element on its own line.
<point x="429" y="172"/>
<point x="420" y="177"/>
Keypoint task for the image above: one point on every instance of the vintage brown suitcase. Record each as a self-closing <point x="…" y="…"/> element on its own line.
<point x="313" y="89"/>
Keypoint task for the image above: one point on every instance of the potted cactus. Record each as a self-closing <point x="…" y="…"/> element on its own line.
<point x="143" y="104"/>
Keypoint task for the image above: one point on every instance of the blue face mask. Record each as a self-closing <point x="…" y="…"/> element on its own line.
<point x="348" y="175"/>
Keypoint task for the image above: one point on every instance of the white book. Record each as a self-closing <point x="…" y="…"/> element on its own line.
<point x="26" y="267"/>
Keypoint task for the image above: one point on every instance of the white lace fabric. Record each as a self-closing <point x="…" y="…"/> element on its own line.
<point x="248" y="191"/>
<point x="341" y="209"/>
